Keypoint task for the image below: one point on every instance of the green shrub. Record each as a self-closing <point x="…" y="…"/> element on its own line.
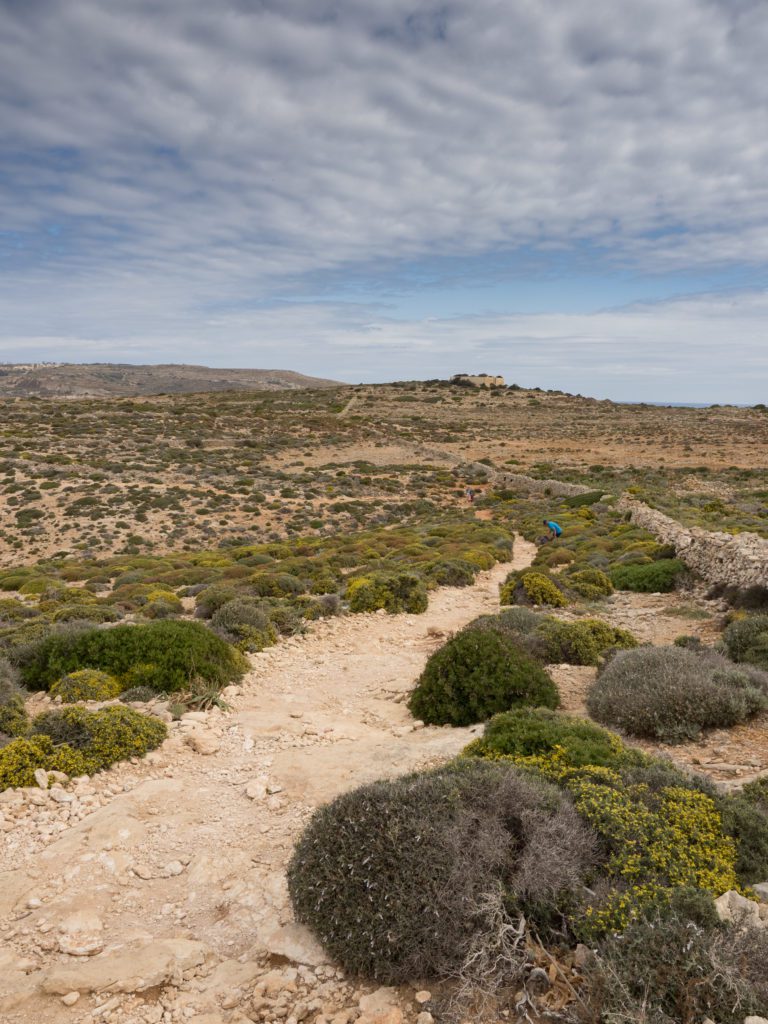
<point x="162" y="604"/>
<point x="668" y="969"/>
<point x="475" y="675"/>
<point x="86" y="684"/>
<point x="757" y="792"/>
<point x="746" y="640"/>
<point x="403" y="879"/>
<point x="671" y="693"/>
<point x="654" y="578"/>
<point x="276" y="584"/>
<point x="20" y="758"/>
<point x="746" y="820"/>
<point x="581" y="500"/>
<point x="530" y="587"/>
<point x="95" y="613"/>
<point x="212" y="598"/>
<point x="244" y="622"/>
<point x="102" y="737"/>
<point x="13" y="715"/>
<point x="138" y="695"/>
<point x="13" y="610"/>
<point x="287" y="620"/>
<point x="529" y="732"/>
<point x="176" y="650"/>
<point x="454" y="572"/>
<point x="590" y="583"/>
<point x="394" y="592"/>
<point x="581" y="642"/>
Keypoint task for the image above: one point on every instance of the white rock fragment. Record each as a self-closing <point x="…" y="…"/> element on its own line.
<point x="81" y="934"/>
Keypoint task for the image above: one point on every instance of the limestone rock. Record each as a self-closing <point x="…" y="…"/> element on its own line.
<point x="128" y="971"/>
<point x="203" y="741"/>
<point x="737" y="909"/>
<point x="296" y="943"/>
<point x="761" y="888"/>
<point x="256" y="789"/>
<point x="81" y="934"/>
<point x="376" y="1002"/>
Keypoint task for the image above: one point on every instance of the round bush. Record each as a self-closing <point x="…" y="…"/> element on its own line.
<point x="396" y="878"/>
<point x="529" y="732"/>
<point x="670" y="969"/>
<point x="746" y="640"/>
<point x="211" y="599"/>
<point x="475" y="675"/>
<point x="20" y="758"/>
<point x="102" y="737"/>
<point x="671" y="693"/>
<point x="533" y="588"/>
<point x="454" y="572"/>
<point x="394" y="592"/>
<point x="590" y="583"/>
<point x="86" y="613"/>
<point x="172" y="652"/>
<point x="654" y="578"/>
<point x="86" y="684"/>
<point x="13" y="714"/>
<point x="746" y="821"/>
<point x="244" y="622"/>
<point x="138" y="695"/>
<point x="581" y="642"/>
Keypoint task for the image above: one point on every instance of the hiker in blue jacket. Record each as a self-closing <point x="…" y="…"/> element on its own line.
<point x="555" y="530"/>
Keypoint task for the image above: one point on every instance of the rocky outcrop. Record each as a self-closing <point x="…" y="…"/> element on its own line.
<point x="741" y="559"/>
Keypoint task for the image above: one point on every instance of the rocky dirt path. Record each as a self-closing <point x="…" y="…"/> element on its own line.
<point x="155" y="892"/>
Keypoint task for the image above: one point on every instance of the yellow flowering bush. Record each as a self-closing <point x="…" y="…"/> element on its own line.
<point x="656" y="840"/>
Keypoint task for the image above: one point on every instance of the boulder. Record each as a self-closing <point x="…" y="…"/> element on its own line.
<point x="737" y="909"/>
<point x="81" y="934"/>
<point x="203" y="741"/>
<point x="297" y="943"/>
<point x="127" y="971"/>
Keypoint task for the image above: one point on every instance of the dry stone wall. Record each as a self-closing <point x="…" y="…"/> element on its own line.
<point x="741" y="560"/>
<point x="556" y="487"/>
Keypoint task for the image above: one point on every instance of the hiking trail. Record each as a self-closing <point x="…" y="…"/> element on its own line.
<point x="165" y="878"/>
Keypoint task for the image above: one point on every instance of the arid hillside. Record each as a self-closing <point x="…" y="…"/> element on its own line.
<point x="102" y="380"/>
<point x="109" y="475"/>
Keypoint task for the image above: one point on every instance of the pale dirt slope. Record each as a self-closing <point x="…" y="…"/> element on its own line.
<point x="178" y="850"/>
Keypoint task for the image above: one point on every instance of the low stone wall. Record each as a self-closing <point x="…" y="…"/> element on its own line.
<point x="741" y="560"/>
<point x="556" y="487"/>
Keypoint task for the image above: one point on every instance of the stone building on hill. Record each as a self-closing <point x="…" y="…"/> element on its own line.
<point x="478" y="380"/>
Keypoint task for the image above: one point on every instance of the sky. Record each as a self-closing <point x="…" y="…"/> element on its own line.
<point x="571" y="193"/>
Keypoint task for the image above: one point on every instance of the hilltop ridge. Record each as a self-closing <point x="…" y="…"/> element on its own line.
<point x="105" y="380"/>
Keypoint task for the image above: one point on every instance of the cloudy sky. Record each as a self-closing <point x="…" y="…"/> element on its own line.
<point x="573" y="193"/>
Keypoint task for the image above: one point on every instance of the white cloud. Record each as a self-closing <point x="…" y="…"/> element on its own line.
<point x="703" y="349"/>
<point x="197" y="156"/>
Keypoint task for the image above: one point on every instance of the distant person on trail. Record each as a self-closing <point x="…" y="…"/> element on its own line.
<point x="555" y="530"/>
<point x="470" y="495"/>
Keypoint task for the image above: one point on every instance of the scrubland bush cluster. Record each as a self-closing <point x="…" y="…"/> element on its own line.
<point x="548" y="829"/>
<point x="598" y="553"/>
<point x="78" y="742"/>
<point x="54" y="638"/>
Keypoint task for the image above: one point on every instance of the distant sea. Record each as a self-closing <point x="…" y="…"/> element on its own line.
<point x="692" y="405"/>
